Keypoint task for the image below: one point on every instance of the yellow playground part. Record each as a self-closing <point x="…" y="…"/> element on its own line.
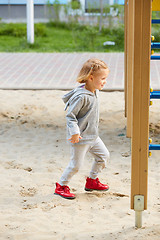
<point x="156" y="5"/>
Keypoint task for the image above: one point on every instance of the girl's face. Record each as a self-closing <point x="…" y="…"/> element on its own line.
<point x="98" y="79"/>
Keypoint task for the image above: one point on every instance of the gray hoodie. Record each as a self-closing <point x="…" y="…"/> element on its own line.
<point x="83" y="114"/>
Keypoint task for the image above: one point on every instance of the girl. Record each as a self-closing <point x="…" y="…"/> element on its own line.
<point x="82" y="127"/>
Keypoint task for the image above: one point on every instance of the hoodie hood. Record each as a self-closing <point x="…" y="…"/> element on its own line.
<point x="67" y="98"/>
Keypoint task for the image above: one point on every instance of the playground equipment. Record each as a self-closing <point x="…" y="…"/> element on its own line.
<point x="154" y="147"/>
<point x="154" y="94"/>
<point x="156" y="21"/>
<point x="155" y="45"/>
<point x="155" y="57"/>
<point x="156" y="5"/>
<point x="137" y="96"/>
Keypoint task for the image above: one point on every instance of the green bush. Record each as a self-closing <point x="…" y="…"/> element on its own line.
<point x="84" y="37"/>
<point x="118" y="34"/>
<point x="91" y="35"/>
<point x="20" y="30"/>
<point x="11" y="29"/>
<point x="40" y="30"/>
<point x="106" y="31"/>
<point x="61" y="37"/>
<point x="72" y="25"/>
<point x="57" y="24"/>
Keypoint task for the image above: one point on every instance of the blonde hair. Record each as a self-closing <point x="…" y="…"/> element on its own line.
<point x="90" y="67"/>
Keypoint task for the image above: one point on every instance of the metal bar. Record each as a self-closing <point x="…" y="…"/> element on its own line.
<point x="155" y="95"/>
<point x="155" y="57"/>
<point x="155" y="45"/>
<point x="155" y="21"/>
<point x="154" y="147"/>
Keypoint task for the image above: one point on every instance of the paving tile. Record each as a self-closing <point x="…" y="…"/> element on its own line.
<point x="59" y="70"/>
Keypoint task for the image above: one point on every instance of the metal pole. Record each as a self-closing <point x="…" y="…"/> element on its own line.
<point x="138" y="219"/>
<point x="30" y="21"/>
<point x="138" y="207"/>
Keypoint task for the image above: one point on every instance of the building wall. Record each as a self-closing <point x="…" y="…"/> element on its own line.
<point x="23" y="2"/>
<point x="17" y="12"/>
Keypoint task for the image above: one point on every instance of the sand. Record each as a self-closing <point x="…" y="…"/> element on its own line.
<point x="33" y="155"/>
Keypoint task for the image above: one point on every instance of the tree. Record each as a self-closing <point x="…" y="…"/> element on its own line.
<point x="101" y="15"/>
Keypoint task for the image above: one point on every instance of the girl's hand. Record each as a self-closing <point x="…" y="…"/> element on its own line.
<point x="75" y="138"/>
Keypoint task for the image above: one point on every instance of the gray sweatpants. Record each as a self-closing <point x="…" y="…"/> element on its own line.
<point x="78" y="152"/>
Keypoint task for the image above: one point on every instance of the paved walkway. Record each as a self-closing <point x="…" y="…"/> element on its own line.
<point x="59" y="70"/>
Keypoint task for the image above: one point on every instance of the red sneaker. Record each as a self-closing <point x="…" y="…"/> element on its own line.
<point x="95" y="184"/>
<point x="64" y="191"/>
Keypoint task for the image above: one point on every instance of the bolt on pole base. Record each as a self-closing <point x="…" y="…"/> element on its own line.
<point x="138" y="207"/>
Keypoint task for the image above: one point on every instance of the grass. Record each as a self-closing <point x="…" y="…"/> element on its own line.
<point x="50" y="38"/>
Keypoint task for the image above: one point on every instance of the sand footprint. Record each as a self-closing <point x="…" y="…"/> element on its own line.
<point x="13" y="165"/>
<point x="28" y="192"/>
<point x="30" y="206"/>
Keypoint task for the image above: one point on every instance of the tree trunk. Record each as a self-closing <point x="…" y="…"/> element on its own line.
<point x="101" y="16"/>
